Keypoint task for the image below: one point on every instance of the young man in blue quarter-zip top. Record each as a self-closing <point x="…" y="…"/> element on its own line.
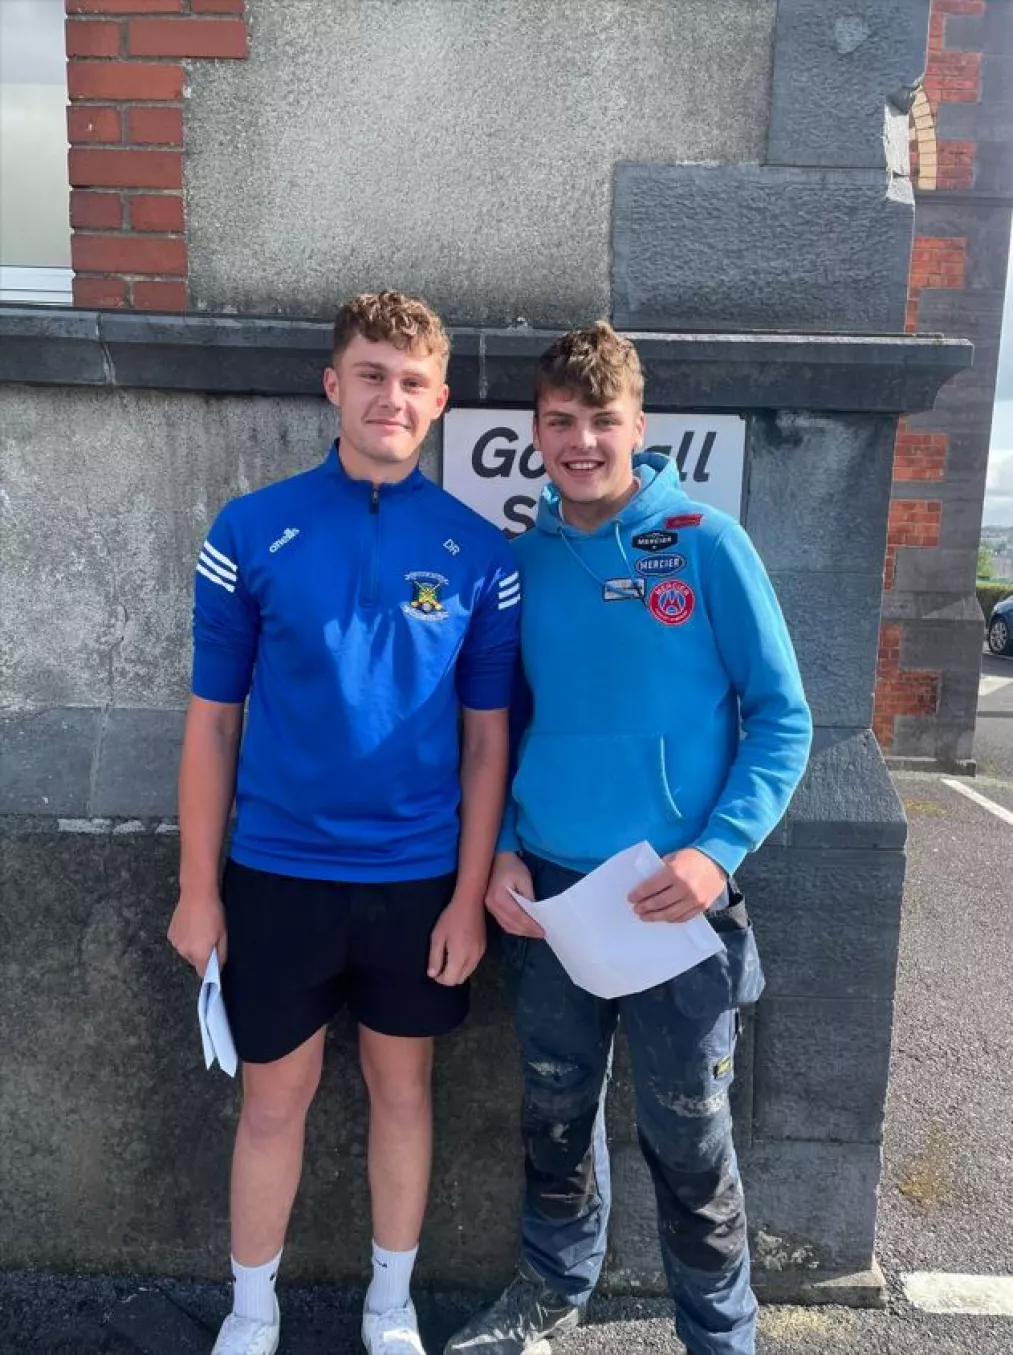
<point x="360" y="609"/>
<point x="667" y="705"/>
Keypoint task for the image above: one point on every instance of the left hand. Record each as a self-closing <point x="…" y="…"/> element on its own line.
<point x="457" y="943"/>
<point x="687" y="886"/>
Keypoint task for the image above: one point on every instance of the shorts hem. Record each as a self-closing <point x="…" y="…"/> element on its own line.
<point x="422" y="1030"/>
<point x="341" y="872"/>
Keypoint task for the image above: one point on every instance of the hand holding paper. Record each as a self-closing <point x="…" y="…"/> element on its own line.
<point x="602" y="944"/>
<point x="216" y="1037"/>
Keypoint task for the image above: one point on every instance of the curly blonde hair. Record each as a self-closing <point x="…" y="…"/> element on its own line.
<point x="391" y="317"/>
<point x="594" y="362"/>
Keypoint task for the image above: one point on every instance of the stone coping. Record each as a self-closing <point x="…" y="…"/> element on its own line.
<point x="92" y="770"/>
<point x="246" y="355"/>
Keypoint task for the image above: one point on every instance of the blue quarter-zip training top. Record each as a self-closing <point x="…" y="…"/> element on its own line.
<point x="358" y="619"/>
<point x="667" y="703"/>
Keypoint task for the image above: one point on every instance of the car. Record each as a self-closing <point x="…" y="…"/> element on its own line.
<point x="1000" y="627"/>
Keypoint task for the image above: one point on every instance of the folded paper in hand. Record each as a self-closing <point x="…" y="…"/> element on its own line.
<point x="602" y="944"/>
<point x="216" y="1037"/>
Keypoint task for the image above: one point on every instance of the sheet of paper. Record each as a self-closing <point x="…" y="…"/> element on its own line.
<point x="602" y="944"/>
<point x="216" y="1037"/>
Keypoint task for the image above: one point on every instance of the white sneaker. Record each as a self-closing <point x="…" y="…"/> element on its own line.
<point x="395" y="1332"/>
<point x="247" y="1336"/>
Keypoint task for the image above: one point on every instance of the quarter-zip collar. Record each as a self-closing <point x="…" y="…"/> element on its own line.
<point x="371" y="494"/>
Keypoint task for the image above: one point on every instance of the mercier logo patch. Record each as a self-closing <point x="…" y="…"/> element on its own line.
<point x="426" y="603"/>
<point x="654" y="541"/>
<point x="671" y="602"/>
<point x="660" y="564"/>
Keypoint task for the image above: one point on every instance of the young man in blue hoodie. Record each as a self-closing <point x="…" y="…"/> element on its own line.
<point x="361" y="610"/>
<point x="666" y="704"/>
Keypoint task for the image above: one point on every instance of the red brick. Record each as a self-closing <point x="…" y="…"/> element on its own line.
<point x="155" y="126"/>
<point x="151" y="213"/>
<point x="124" y="80"/>
<point x="91" y="37"/>
<point x="129" y="254"/>
<point x="159" y="296"/>
<point x="187" y="37"/>
<point x="218" y="6"/>
<point x="90" y="122"/>
<point x="102" y="293"/>
<point x="96" y="211"/>
<point x="124" y="6"/>
<point x="126" y="169"/>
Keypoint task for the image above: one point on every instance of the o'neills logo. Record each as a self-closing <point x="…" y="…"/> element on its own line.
<point x="289" y="534"/>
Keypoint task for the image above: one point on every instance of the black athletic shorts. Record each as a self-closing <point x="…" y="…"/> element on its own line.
<point x="299" y="950"/>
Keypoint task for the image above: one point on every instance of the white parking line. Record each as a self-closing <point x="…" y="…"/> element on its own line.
<point x="998" y="810"/>
<point x="972" y="1295"/>
<point x="992" y="683"/>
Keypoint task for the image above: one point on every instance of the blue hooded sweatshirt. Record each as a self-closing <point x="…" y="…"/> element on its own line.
<point x="666" y="698"/>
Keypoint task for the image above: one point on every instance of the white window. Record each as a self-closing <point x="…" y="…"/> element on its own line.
<point x="34" y="190"/>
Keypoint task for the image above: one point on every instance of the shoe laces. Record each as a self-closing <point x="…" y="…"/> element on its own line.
<point x="243" y="1336"/>
<point x="396" y="1331"/>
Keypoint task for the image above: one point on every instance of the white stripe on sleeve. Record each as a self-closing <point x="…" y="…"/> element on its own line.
<point x="511" y="602"/>
<point x="223" y="573"/>
<point x="229" y="588"/>
<point x="217" y="555"/>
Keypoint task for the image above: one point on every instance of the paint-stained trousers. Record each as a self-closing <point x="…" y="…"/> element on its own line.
<point x="681" y="1037"/>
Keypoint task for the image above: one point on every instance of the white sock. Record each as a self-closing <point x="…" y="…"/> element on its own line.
<point x="253" y="1295"/>
<point x="392" y="1277"/>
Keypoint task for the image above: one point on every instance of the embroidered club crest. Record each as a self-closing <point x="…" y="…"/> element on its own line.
<point x="426" y="603"/>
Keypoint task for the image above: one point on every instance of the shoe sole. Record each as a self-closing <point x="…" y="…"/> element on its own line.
<point x="543" y="1346"/>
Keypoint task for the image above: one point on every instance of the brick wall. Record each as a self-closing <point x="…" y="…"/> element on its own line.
<point x="126" y="76"/>
<point x="940" y="264"/>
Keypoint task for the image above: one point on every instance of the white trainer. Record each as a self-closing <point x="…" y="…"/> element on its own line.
<point x="247" y="1336"/>
<point x="395" y="1332"/>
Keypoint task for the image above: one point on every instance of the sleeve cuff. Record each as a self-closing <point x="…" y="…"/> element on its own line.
<point x="729" y="853"/>
<point x="216" y="679"/>
<point x="508" y="841"/>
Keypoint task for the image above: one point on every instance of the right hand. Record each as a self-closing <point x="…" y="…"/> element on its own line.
<point x="197" y="928"/>
<point x="510" y="872"/>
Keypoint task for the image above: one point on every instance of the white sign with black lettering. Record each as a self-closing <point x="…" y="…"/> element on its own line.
<point x="490" y="464"/>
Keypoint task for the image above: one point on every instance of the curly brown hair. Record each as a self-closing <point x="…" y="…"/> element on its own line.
<point x="594" y="362"/>
<point x="391" y="317"/>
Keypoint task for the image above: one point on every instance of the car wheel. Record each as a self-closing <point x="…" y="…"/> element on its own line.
<point x="999" y="639"/>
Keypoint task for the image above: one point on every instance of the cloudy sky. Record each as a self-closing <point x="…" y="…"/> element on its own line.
<point x="999" y="489"/>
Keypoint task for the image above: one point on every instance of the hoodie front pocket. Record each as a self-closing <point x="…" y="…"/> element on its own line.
<point x="587" y="798"/>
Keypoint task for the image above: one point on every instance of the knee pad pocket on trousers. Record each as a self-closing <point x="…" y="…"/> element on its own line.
<point x="701" y="1211"/>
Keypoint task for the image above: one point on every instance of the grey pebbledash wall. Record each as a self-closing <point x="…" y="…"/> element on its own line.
<point x="116" y="1143"/>
<point x="454" y="147"/>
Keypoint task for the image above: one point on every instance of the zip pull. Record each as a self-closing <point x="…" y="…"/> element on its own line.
<point x="374" y="500"/>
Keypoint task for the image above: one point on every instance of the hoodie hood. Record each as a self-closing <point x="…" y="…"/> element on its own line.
<point x="659" y="487"/>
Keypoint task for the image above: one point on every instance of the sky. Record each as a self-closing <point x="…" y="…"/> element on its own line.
<point x="999" y="487"/>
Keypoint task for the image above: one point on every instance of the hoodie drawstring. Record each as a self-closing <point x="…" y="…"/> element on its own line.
<point x="617" y="533"/>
